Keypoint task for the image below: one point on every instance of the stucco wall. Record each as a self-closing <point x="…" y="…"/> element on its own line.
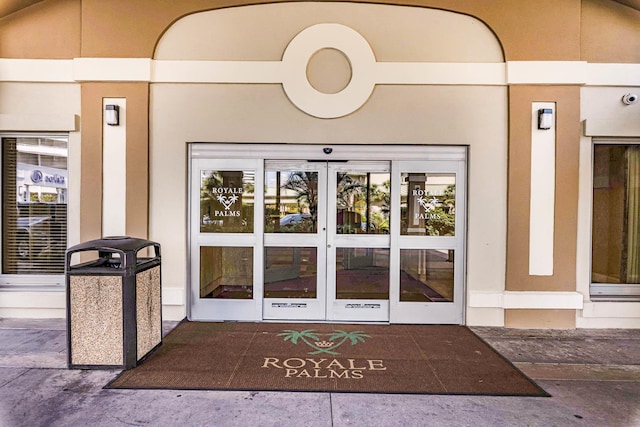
<point x="545" y="30"/>
<point x="394" y="114"/>
<point x="598" y="31"/>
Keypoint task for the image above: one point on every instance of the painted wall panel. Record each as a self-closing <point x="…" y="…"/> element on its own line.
<point x="55" y="107"/>
<point x="610" y="32"/>
<point x="137" y="136"/>
<point x="542" y="193"/>
<point x="240" y="34"/>
<point x="566" y="188"/>
<point x="591" y="29"/>
<point x="114" y="171"/>
<point x="48" y="29"/>
<point x="529" y="29"/>
<point x="474" y="116"/>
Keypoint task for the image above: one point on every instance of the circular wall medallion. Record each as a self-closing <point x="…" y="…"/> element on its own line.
<point x="329" y="71"/>
<point x="296" y="60"/>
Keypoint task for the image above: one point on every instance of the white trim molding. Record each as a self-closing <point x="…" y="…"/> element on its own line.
<point x="613" y="75"/>
<point x="526" y="300"/>
<point x="547" y="72"/>
<point x="290" y="72"/>
<point x="274" y="72"/>
<point x="112" y="69"/>
<point x="609" y="315"/>
<point x="114" y="171"/>
<point x="617" y="309"/>
<point x="37" y="70"/>
<point x="173" y="296"/>
<point x="33" y="304"/>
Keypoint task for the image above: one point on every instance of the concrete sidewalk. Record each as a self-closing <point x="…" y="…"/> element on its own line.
<point x="592" y="375"/>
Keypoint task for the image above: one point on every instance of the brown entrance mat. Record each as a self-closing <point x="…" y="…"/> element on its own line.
<point x="328" y="357"/>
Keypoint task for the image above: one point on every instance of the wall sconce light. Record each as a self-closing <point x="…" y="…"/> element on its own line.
<point x="545" y="118"/>
<point x="111" y="115"/>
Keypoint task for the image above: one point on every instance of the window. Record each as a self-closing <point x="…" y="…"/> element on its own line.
<point x="34" y="204"/>
<point x="615" y="263"/>
<point x="226" y="201"/>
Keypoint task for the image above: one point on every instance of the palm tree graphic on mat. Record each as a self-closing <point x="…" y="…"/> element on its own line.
<point x="312" y="339"/>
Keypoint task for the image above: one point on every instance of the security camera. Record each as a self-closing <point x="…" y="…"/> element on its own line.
<point x="327" y="150"/>
<point x="630" y="98"/>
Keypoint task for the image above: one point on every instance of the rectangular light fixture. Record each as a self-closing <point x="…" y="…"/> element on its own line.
<point x="545" y="118"/>
<point x="111" y="115"/>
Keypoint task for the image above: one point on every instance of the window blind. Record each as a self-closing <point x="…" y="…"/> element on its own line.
<point x="34" y="205"/>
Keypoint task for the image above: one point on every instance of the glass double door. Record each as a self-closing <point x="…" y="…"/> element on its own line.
<point x="326" y="240"/>
<point x="339" y="240"/>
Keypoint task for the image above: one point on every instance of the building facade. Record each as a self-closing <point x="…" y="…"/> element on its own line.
<point x="408" y="162"/>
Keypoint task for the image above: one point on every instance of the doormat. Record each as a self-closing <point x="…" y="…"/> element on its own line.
<point x="424" y="359"/>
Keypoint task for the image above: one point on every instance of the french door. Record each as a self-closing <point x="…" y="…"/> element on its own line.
<point x="327" y="239"/>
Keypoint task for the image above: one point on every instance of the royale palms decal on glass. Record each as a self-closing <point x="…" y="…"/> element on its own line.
<point x="226" y="201"/>
<point x="335" y="340"/>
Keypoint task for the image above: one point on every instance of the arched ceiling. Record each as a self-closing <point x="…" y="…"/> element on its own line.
<point x="7" y="7"/>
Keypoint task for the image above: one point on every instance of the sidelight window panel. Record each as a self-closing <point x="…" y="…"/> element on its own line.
<point x="616" y="221"/>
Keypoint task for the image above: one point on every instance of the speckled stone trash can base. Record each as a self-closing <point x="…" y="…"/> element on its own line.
<point x="148" y="311"/>
<point x="96" y="320"/>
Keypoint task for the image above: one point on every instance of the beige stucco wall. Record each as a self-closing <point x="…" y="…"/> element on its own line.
<point x="47" y="107"/>
<point x="397" y="33"/>
<point x="604" y="118"/>
<point x="547" y="30"/>
<point x="394" y="114"/>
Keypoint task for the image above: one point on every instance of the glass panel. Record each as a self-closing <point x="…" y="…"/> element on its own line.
<point x="363" y="203"/>
<point x="290" y="272"/>
<point x="362" y="273"/>
<point x="616" y="214"/>
<point x="226" y="201"/>
<point x="226" y="272"/>
<point x="428" y="204"/>
<point x="34" y="205"/>
<point x="291" y="202"/>
<point x="426" y="275"/>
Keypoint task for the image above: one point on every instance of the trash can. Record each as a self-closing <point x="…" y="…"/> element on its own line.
<point x="114" y="303"/>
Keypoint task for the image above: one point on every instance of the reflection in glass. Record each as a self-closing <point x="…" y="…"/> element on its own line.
<point x="291" y="202"/>
<point x="226" y="272"/>
<point x="428" y="204"/>
<point x="426" y="275"/>
<point x="226" y="201"/>
<point x="362" y="202"/>
<point x="362" y="273"/>
<point x="290" y="272"/>
<point x="34" y="205"/>
<point x="616" y="214"/>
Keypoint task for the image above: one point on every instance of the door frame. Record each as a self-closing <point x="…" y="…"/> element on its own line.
<point x="278" y="309"/>
<point x="251" y="155"/>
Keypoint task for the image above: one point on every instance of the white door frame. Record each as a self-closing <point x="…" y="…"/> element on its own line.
<point x="440" y="311"/>
<point x="302" y="308"/>
<point x="355" y="310"/>
<point x="252" y="156"/>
